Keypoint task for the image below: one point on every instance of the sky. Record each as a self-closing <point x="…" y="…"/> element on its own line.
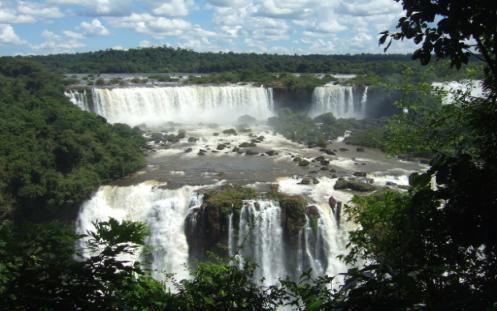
<point x="261" y="26"/>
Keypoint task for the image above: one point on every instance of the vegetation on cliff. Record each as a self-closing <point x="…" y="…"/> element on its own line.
<point x="53" y="155"/>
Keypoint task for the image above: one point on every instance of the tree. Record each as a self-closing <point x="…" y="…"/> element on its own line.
<point x="435" y="247"/>
<point x="450" y="29"/>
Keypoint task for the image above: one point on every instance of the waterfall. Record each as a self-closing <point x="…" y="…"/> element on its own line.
<point x="163" y="210"/>
<point x="260" y="239"/>
<point x="80" y="98"/>
<point x="183" y="104"/>
<point x="364" y="100"/>
<point x="256" y="232"/>
<point x="339" y="100"/>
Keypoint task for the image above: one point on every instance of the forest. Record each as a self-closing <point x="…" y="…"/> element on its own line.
<point x="432" y="247"/>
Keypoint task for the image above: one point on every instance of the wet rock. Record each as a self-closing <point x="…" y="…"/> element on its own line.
<point x="251" y="152"/>
<point x="304" y="163"/>
<point x="297" y="159"/>
<point x="237" y="150"/>
<point x="292" y="214"/>
<point x="257" y="206"/>
<point x="192" y="139"/>
<point x="172" y="138"/>
<point x="156" y="137"/>
<point x="324" y="168"/>
<point x="306" y="181"/>
<point x="312" y="211"/>
<point x="327" y="151"/>
<point x="360" y="174"/>
<point x="221" y="147"/>
<point x="324" y="162"/>
<point x="202" y="152"/>
<point x="391" y="184"/>
<point x="230" y="132"/>
<point x="216" y="134"/>
<point x="343" y="149"/>
<point x="354" y="185"/>
<point x="332" y="170"/>
<point x="188" y="150"/>
<point x="181" y="134"/>
<point x="360" y="149"/>
<point x="332" y="202"/>
<point x="318" y="159"/>
<point x="271" y="153"/>
<point x="247" y="145"/>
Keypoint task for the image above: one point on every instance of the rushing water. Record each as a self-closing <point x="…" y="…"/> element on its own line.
<point x="260" y="238"/>
<point x="339" y="100"/>
<point x="154" y="106"/>
<point x="163" y="210"/>
<point x="177" y="217"/>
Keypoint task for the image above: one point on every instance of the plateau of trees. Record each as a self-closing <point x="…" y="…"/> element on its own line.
<point x="53" y="155"/>
<point x="370" y="67"/>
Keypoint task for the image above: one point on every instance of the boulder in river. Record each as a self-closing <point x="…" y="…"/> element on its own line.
<point x="312" y="211"/>
<point x="354" y="185"/>
<point x="360" y="174"/>
<point x="230" y="132"/>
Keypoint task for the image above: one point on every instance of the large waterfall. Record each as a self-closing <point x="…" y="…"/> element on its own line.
<point x="182" y="104"/>
<point x="339" y="100"/>
<point x="163" y="210"/>
<point x="260" y="238"/>
<point x="256" y="232"/>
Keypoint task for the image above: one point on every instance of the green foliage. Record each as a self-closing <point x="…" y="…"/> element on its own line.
<point x="318" y="131"/>
<point x="228" y="197"/>
<point x="38" y="270"/>
<point x="239" y="67"/>
<point x="54" y="155"/>
<point x="427" y="125"/>
<point x="435" y="246"/>
<point x="220" y="286"/>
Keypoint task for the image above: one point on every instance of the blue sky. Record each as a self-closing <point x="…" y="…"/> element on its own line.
<point x="272" y="26"/>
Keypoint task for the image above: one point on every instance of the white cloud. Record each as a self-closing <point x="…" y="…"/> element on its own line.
<point x="55" y="43"/>
<point x="145" y="44"/>
<point x="37" y="10"/>
<point x="368" y="8"/>
<point x="226" y="3"/>
<point x="173" y="8"/>
<point x="94" y="28"/>
<point x="97" y="7"/>
<point x="160" y="27"/>
<point x="8" y="35"/>
<point x="9" y="15"/>
<point x="295" y="9"/>
<point x="73" y="35"/>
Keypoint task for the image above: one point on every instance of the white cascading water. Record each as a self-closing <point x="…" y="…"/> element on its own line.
<point x="182" y="104"/>
<point x="339" y="100"/>
<point x="79" y="98"/>
<point x="260" y="239"/>
<point x="163" y="210"/>
<point x="364" y="101"/>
